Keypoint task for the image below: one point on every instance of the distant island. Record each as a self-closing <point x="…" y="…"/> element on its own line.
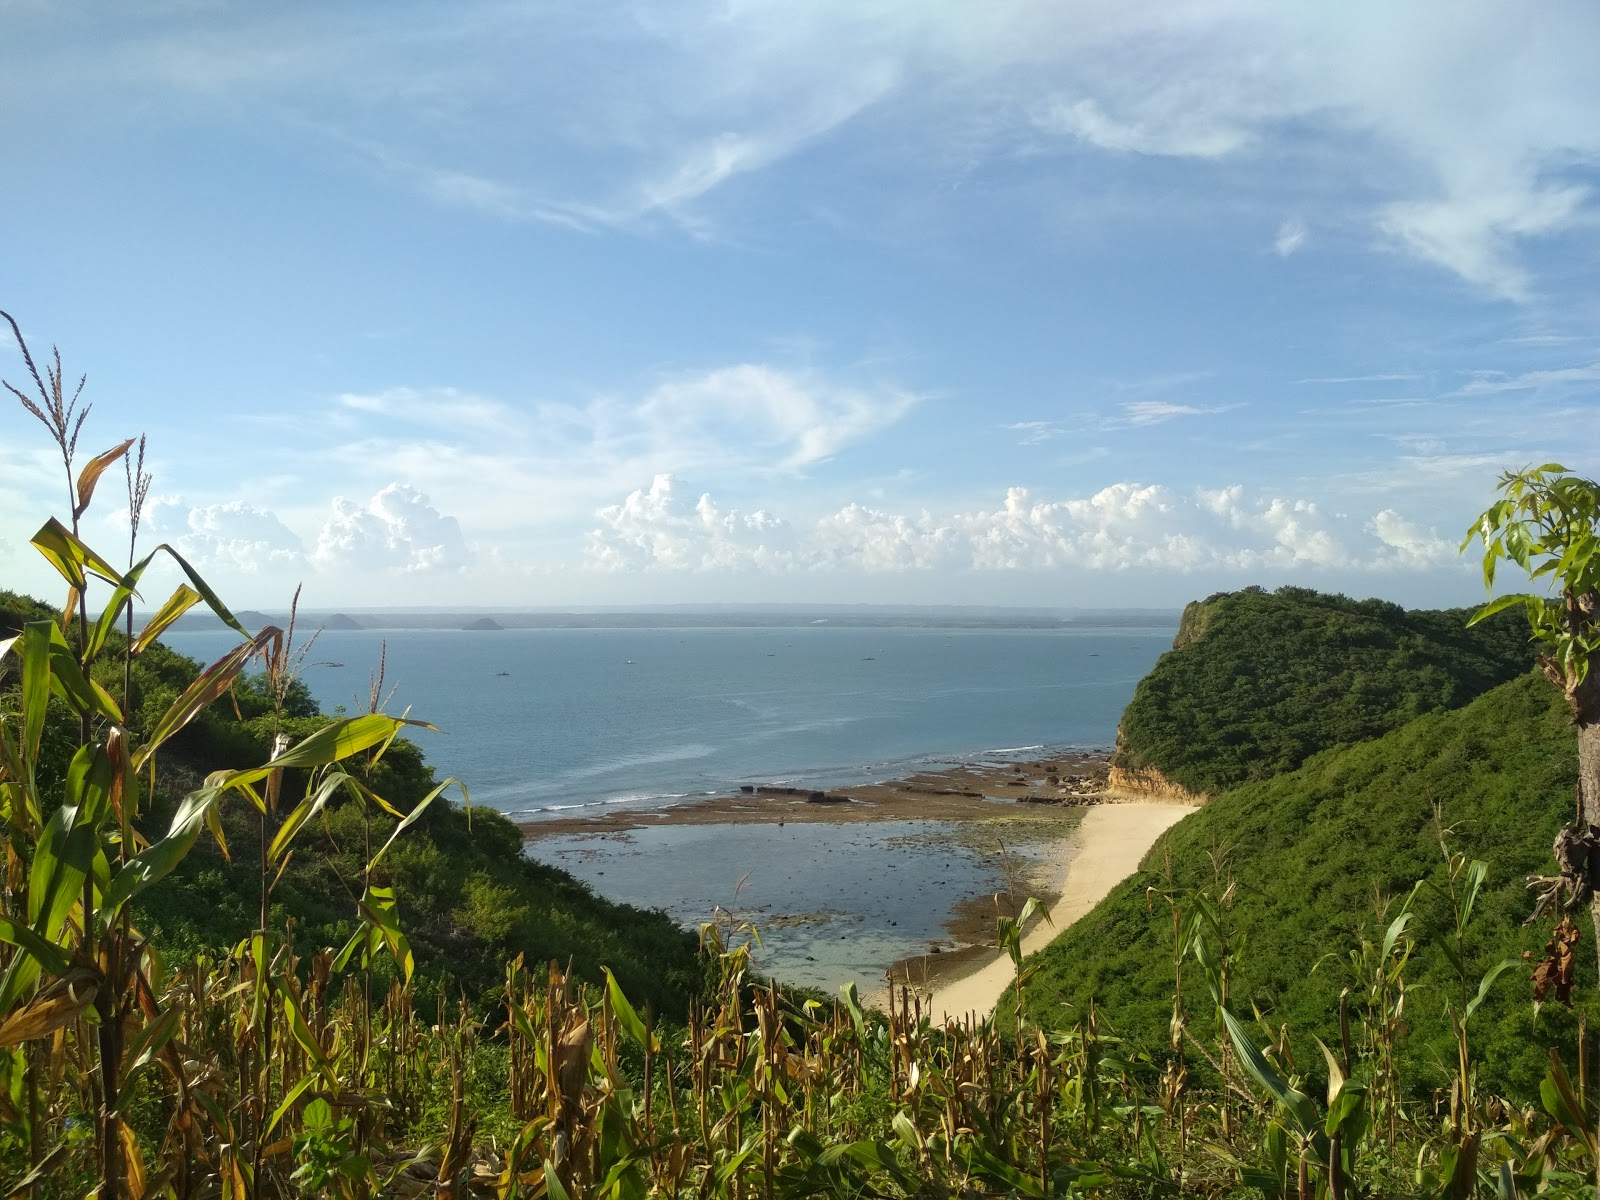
<point x="768" y="616"/>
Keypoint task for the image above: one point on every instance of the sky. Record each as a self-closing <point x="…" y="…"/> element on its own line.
<point x="1032" y="302"/>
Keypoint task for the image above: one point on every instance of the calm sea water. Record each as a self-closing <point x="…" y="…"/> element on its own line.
<point x="544" y="722"/>
<point x="831" y="903"/>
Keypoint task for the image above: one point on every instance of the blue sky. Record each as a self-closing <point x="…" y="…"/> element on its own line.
<point x="1009" y="303"/>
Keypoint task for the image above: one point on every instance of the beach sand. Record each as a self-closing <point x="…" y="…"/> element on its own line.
<point x="1105" y="850"/>
<point x="1087" y="842"/>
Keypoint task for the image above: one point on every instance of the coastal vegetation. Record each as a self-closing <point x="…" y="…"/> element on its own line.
<point x="1302" y="868"/>
<point x="245" y="951"/>
<point x="1257" y="682"/>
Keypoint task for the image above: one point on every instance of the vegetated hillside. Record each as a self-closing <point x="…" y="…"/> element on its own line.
<point x="1257" y="681"/>
<point x="1308" y="852"/>
<point x="469" y="899"/>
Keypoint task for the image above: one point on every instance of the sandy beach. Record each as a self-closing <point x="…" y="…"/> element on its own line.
<point x="1105" y="850"/>
<point x="1060" y="836"/>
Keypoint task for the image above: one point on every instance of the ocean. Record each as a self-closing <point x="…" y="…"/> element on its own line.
<point x="542" y="722"/>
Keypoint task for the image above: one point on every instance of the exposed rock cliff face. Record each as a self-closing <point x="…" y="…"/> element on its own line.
<point x="1147" y="783"/>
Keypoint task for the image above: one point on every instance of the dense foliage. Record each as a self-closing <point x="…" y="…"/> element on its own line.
<point x="1307" y="857"/>
<point x="469" y="899"/>
<point x="1259" y="681"/>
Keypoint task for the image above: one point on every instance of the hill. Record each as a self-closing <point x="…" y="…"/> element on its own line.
<point x="1306" y="854"/>
<point x="469" y="899"/>
<point x="1256" y="682"/>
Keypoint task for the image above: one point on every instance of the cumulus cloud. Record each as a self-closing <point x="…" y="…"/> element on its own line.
<point x="1405" y="544"/>
<point x="1126" y="526"/>
<point x="239" y="537"/>
<point x="397" y="530"/>
<point x="660" y="527"/>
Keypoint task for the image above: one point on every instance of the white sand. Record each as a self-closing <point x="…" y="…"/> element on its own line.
<point x="1104" y="850"/>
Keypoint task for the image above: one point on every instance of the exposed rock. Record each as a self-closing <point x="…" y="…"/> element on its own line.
<point x="1147" y="783"/>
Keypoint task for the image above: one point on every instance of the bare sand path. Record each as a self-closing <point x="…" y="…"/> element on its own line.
<point x="1105" y="850"/>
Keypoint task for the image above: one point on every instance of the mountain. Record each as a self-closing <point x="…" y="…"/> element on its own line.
<point x="1307" y="856"/>
<point x="1256" y="682"/>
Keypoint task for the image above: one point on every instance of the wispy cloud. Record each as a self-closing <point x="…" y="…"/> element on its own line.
<point x="1158" y="412"/>
<point x="1494" y="382"/>
<point x="1390" y="377"/>
<point x="478" y="105"/>
<point x="1291" y="236"/>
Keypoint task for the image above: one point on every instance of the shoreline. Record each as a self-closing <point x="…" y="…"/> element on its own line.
<point x="964" y="791"/>
<point x="1091" y="838"/>
<point x="1106" y="848"/>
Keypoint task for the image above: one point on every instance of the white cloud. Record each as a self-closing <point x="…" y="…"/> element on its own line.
<point x="659" y="528"/>
<point x="1407" y="544"/>
<point x="1195" y="133"/>
<point x="396" y="530"/>
<point x="1157" y="412"/>
<point x="1033" y="432"/>
<point x="792" y="419"/>
<point x="1474" y="122"/>
<point x="235" y="536"/>
<point x="1123" y="527"/>
<point x="1491" y="383"/>
<point x="444" y="408"/>
<point x="1291" y="236"/>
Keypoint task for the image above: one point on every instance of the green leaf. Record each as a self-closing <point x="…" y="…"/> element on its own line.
<point x="159" y="860"/>
<point x="552" y="1183"/>
<point x="305" y="811"/>
<point x="416" y="812"/>
<point x="68" y="681"/>
<point x="72" y="557"/>
<point x="302" y="1031"/>
<point x="625" y="1014"/>
<point x="206" y="687"/>
<point x="1498" y="605"/>
<point x="213" y="601"/>
<point x="46" y="955"/>
<point x="852" y="1005"/>
<point x="1494" y="973"/>
<point x="334" y="742"/>
<point x="181" y="601"/>
<point x="36" y="636"/>
<point x="1302" y="1110"/>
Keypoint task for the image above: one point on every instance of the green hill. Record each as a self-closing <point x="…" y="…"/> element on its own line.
<point x="1309" y="850"/>
<point x="1257" y="681"/>
<point x="469" y="899"/>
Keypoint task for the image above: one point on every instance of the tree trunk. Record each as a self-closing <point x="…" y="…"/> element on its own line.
<point x="1585" y="701"/>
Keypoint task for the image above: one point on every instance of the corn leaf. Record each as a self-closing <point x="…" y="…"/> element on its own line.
<point x="305" y="811"/>
<point x="1302" y="1110"/>
<point x="181" y="601"/>
<point x="416" y="812"/>
<point x="625" y="1014"/>
<point x="207" y="686"/>
<point x="90" y="475"/>
<point x="69" y="555"/>
<point x="162" y="858"/>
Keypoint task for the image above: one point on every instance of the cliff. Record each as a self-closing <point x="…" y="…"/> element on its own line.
<point x="1148" y="783"/>
<point x="1257" y="682"/>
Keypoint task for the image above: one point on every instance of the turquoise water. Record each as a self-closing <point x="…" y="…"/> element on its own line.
<point x="831" y="903"/>
<point x="545" y="722"/>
